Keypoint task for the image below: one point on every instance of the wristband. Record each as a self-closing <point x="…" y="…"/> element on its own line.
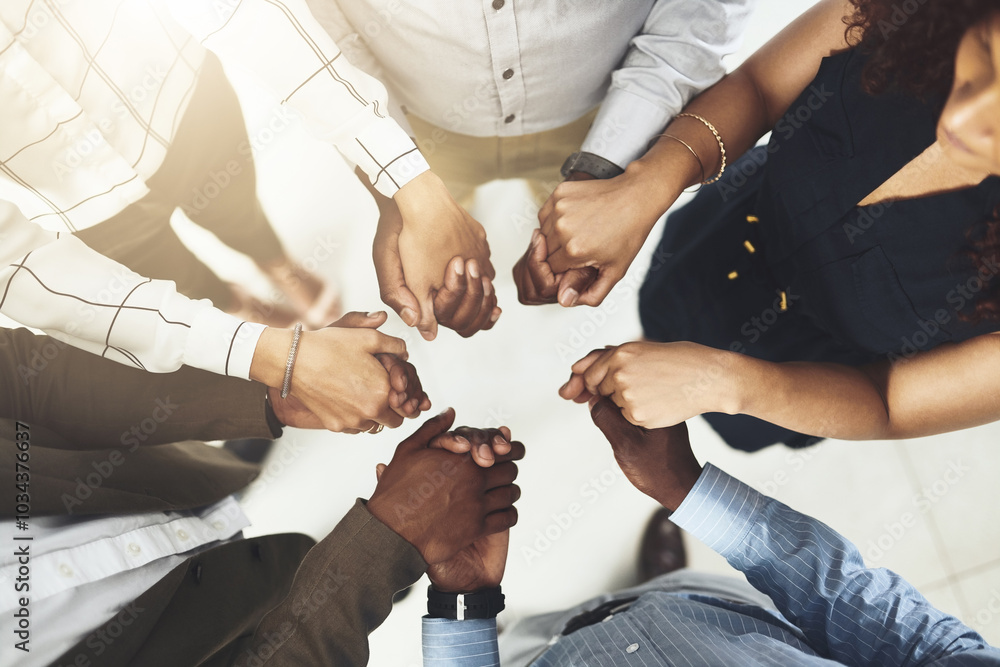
<point x="483" y="604"/>
<point x="589" y="163"/>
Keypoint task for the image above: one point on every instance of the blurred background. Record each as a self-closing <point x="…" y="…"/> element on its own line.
<point x="919" y="507"/>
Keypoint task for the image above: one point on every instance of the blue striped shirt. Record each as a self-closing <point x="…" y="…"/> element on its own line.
<point x="834" y="610"/>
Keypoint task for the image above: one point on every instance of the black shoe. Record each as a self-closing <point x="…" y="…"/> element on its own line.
<point x="662" y="549"/>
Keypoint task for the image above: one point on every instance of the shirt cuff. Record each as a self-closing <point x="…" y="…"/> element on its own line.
<point x="624" y="126"/>
<point x="221" y="343"/>
<point x="472" y="643"/>
<point x="720" y="510"/>
<point x="386" y="153"/>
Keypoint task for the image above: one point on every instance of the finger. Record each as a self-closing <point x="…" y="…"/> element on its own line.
<point x="453" y="442"/>
<point x="560" y="260"/>
<point x="575" y="390"/>
<point x="547" y="209"/>
<point x="355" y="320"/>
<point x="470" y="307"/>
<point x="430" y="428"/>
<point x="544" y="282"/>
<point x="501" y="498"/>
<point x="482" y="320"/>
<point x="392" y="283"/>
<point x="501" y="474"/>
<point x="383" y="344"/>
<point x="598" y="290"/>
<point x="516" y="453"/>
<point x="609" y="418"/>
<point x="498" y="522"/>
<point x="505" y="432"/>
<point x="448" y="298"/>
<point x="573" y="283"/>
<point x="597" y="372"/>
<point x="398" y="379"/>
<point x="389" y="417"/>
<point x="582" y="365"/>
<point x="379" y="469"/>
<point x="427" y="326"/>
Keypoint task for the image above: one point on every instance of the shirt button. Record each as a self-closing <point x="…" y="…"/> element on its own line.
<point x="65" y="570"/>
<point x="133" y="548"/>
<point x="182" y="535"/>
<point x="632" y="648"/>
<point x="509" y="119"/>
<point x="508" y="73"/>
<point x="498" y="4"/>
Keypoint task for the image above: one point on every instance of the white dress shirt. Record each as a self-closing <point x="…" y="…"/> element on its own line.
<point x="84" y="571"/>
<point x="90" y="97"/>
<point x="512" y="67"/>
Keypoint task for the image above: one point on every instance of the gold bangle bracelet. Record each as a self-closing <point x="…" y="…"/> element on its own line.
<point x="718" y="138"/>
<point x="693" y="152"/>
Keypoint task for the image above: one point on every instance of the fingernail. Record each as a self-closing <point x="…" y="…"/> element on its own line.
<point x="499" y="440"/>
<point x="487" y="288"/>
<point x="409" y="316"/>
<point x="495" y="316"/>
<point x="563" y="388"/>
<point x="374" y="314"/>
<point x="427" y="335"/>
<point x="568" y="298"/>
<point x="473" y="269"/>
<point x="463" y="441"/>
<point x="485" y="452"/>
<point x="460" y="268"/>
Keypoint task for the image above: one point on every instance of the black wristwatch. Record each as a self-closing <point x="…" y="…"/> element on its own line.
<point x="592" y="164"/>
<point x="486" y="603"/>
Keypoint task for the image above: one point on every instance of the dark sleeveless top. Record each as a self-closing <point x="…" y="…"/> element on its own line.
<point x="864" y="283"/>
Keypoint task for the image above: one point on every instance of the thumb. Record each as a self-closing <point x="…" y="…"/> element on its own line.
<point x="428" y="324"/>
<point x="379" y="469"/>
<point x="355" y="320"/>
<point x="392" y="283"/>
<point x="609" y="418"/>
<point x="431" y="428"/>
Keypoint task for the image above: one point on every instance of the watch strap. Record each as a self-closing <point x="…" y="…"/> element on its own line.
<point x="590" y="163"/>
<point x="483" y="604"/>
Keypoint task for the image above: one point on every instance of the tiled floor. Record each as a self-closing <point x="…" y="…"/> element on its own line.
<point x="924" y="508"/>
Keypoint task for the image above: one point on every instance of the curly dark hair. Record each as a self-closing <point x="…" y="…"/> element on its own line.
<point x="912" y="43"/>
<point x="911" y="47"/>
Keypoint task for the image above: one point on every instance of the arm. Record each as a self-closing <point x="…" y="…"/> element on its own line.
<point x="677" y="55"/>
<point x="346" y="107"/>
<point x="817" y="579"/>
<point x="343" y="588"/>
<point x="603" y="223"/>
<point x="949" y="388"/>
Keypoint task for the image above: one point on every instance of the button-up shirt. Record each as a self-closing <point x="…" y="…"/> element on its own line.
<point x="834" y="609"/>
<point x="84" y="571"/>
<point x="513" y="67"/>
<point x="91" y="94"/>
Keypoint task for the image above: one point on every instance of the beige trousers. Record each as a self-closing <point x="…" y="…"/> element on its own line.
<point x="464" y="162"/>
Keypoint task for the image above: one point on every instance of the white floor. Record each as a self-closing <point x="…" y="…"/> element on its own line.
<point x="951" y="549"/>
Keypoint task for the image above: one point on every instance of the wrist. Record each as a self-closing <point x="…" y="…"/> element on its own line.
<point x="425" y="191"/>
<point x="270" y="356"/>
<point x="682" y="480"/>
<point x="652" y="186"/>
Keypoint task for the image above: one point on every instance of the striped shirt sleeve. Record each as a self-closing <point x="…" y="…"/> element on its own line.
<point x="280" y="42"/>
<point x="59" y="285"/>
<point x="460" y="643"/>
<point x="818" y="580"/>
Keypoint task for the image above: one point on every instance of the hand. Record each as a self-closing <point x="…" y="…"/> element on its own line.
<point x="337" y="376"/>
<point x="466" y="301"/>
<point x="440" y="502"/>
<point x="601" y="224"/>
<point x="435" y="231"/>
<point x="657" y="384"/>
<point x="659" y="463"/>
<point x="537" y="284"/>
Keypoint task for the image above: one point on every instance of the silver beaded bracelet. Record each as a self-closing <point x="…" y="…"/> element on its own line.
<point x="292" y="351"/>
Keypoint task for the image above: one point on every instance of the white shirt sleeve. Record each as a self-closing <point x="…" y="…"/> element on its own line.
<point x="678" y="54"/>
<point x="281" y="43"/>
<point x="59" y="285"/>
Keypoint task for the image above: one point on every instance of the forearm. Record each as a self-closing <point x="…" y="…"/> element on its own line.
<point x="825" y="400"/>
<point x="818" y="580"/>
<point x="94" y="402"/>
<point x="342" y="591"/>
